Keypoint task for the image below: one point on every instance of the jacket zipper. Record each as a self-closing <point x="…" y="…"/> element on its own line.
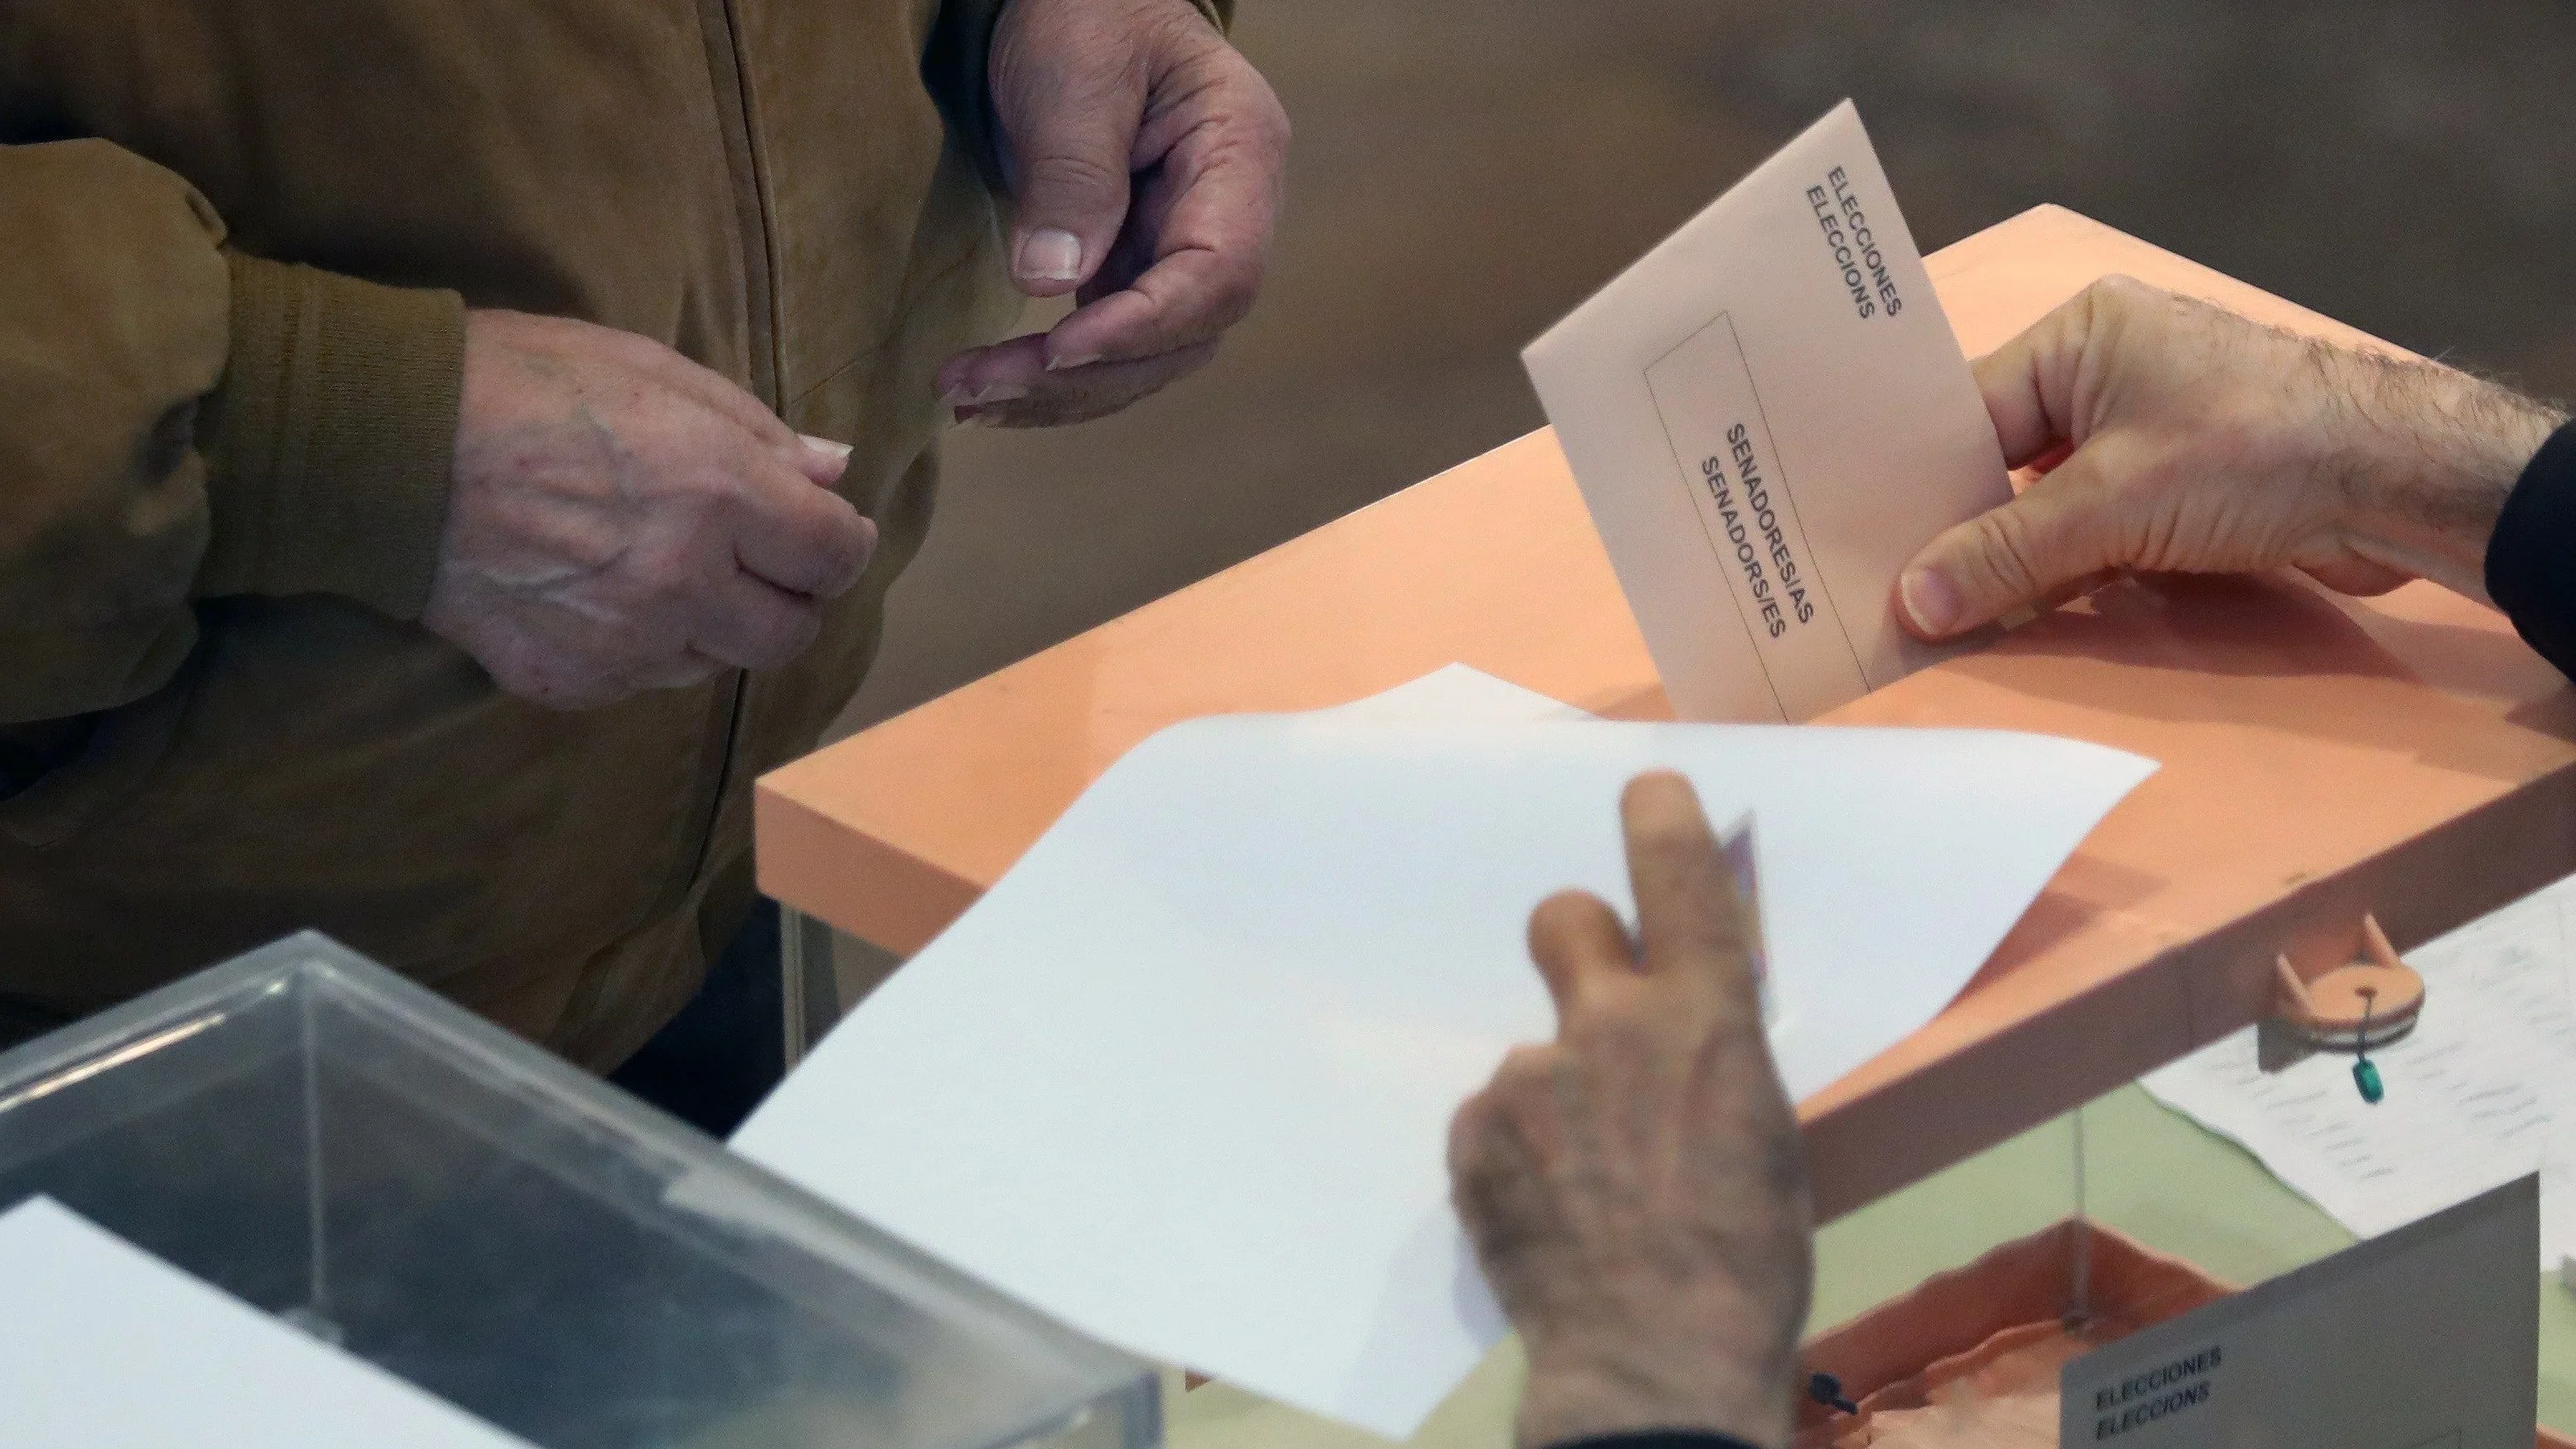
<point x="731" y="80"/>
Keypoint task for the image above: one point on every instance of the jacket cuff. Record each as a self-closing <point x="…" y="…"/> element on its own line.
<point x="957" y="66"/>
<point x="332" y="437"/>
<point x="2531" y="558"/>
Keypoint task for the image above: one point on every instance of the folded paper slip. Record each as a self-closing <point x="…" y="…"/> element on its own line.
<point x="1183" y="1077"/>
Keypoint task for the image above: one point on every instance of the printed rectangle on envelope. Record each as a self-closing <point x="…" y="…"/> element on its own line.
<point x="1712" y="415"/>
<point x="1768" y="415"/>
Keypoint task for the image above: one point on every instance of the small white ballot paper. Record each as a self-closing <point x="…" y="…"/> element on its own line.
<point x="103" y="1346"/>
<point x="2422" y="1339"/>
<point x="1768" y="416"/>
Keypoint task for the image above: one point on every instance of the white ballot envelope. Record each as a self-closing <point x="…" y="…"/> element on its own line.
<point x="2426" y="1338"/>
<point x="1768" y="416"/>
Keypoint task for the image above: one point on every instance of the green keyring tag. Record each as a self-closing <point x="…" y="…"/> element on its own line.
<point x="2365" y="1075"/>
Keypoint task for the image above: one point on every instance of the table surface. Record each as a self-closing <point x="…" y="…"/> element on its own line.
<point x="2322" y="756"/>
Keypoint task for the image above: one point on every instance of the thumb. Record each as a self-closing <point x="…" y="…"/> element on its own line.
<point x="821" y="460"/>
<point x="1070" y="112"/>
<point x="2056" y="533"/>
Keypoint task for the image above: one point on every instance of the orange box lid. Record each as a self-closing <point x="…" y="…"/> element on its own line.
<point x="2405" y="755"/>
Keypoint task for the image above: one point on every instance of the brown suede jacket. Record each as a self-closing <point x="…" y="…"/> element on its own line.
<point x="237" y="239"/>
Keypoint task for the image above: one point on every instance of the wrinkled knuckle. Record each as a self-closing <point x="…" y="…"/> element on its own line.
<point x="663" y="574"/>
<point x="713" y="493"/>
<point x="1068" y="173"/>
<point x="2119" y="290"/>
<point x="2006" y="551"/>
<point x="1256" y="113"/>
<point x="2116" y="302"/>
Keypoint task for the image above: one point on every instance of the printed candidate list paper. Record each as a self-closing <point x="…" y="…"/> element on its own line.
<point x="1768" y="415"/>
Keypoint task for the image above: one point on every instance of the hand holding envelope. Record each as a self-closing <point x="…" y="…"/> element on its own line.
<point x="1768" y="415"/>
<point x="2172" y="436"/>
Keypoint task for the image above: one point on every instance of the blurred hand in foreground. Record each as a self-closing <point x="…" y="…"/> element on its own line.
<point x="1637" y="1189"/>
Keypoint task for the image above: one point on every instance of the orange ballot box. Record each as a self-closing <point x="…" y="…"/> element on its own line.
<point x="2405" y="757"/>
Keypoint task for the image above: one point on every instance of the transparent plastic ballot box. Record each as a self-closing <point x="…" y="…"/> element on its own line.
<point x="333" y="1144"/>
<point x="2121" y="1177"/>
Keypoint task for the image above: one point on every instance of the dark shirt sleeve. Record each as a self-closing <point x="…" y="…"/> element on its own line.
<point x="1659" y="1439"/>
<point x="2531" y="561"/>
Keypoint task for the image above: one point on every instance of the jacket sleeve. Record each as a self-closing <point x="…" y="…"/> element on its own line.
<point x="956" y="66"/>
<point x="2531" y="558"/>
<point x="179" y="422"/>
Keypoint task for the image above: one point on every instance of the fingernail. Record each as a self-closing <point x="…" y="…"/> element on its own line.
<point x="826" y="446"/>
<point x="1072" y="360"/>
<point x="1929" y="600"/>
<point x="1051" y="254"/>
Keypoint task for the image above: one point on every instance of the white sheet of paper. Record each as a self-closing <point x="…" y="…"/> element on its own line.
<point x="1455" y="694"/>
<point x="1768" y="415"/>
<point x="103" y="1346"/>
<point x="2482" y="1093"/>
<point x="1183" y="1077"/>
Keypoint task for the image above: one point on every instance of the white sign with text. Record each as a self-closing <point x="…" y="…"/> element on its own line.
<point x="2426" y="1336"/>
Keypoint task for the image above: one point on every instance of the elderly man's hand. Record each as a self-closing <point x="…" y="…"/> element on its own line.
<point x="623" y="519"/>
<point x="2177" y="437"/>
<point x="1637" y="1190"/>
<point x="1146" y="159"/>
